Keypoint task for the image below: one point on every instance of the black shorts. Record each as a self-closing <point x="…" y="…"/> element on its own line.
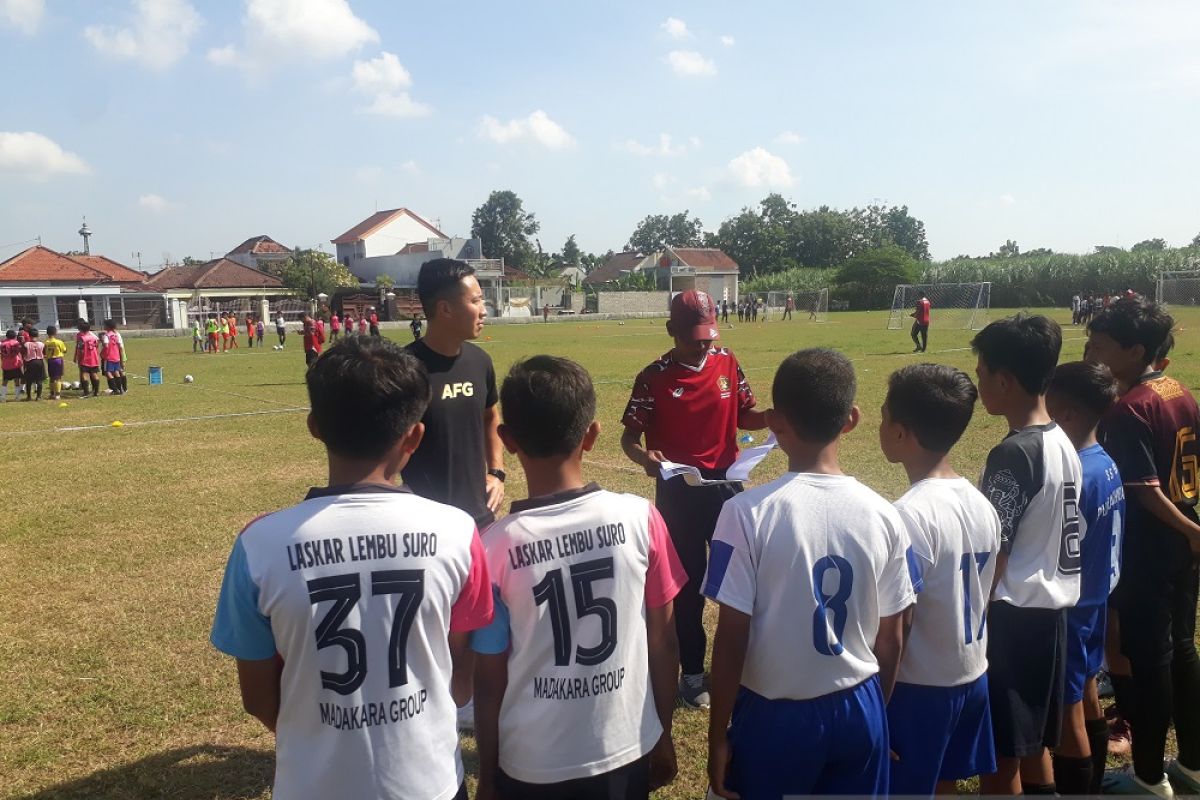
<point x="13" y="375"/>
<point x="1026" y="653"/>
<point x="35" y="371"/>
<point x="1157" y="614"/>
<point x="630" y="782"/>
<point x="310" y="357"/>
<point x="89" y="370"/>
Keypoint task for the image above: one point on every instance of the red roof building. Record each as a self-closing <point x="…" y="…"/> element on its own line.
<point x="259" y="252"/>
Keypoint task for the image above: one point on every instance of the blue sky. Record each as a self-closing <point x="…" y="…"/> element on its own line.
<point x="182" y="127"/>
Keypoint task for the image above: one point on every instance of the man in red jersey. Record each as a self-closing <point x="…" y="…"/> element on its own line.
<point x="688" y="407"/>
<point x="921" y="324"/>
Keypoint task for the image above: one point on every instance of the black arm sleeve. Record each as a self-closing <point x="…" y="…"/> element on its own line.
<point x="1012" y="477"/>
<point x="1130" y="442"/>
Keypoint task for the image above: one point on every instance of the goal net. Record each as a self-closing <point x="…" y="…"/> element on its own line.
<point x="1178" y="288"/>
<point x="812" y="305"/>
<point x="952" y="305"/>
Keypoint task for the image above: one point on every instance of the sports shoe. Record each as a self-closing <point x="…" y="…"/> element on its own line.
<point x="1120" y="737"/>
<point x="1104" y="687"/>
<point x="1185" y="781"/>
<point x="1125" y="782"/>
<point x="692" y="691"/>
<point x="466" y="716"/>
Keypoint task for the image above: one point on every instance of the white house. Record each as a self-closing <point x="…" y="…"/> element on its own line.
<point x="384" y="233"/>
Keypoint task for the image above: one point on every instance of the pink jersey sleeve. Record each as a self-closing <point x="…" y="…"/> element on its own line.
<point x="665" y="576"/>
<point x="473" y="608"/>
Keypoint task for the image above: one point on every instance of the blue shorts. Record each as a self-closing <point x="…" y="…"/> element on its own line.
<point x="1085" y="648"/>
<point x="940" y="733"/>
<point x="112" y="366"/>
<point x="833" y="744"/>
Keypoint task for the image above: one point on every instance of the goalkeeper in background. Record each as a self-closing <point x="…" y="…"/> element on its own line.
<point x="920" y="328"/>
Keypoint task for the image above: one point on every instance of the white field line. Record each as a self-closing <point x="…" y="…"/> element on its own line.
<point x="146" y="422"/>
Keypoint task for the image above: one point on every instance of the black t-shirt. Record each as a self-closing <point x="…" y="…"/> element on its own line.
<point x="450" y="466"/>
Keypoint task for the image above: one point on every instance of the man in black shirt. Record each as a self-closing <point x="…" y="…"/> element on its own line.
<point x="461" y="459"/>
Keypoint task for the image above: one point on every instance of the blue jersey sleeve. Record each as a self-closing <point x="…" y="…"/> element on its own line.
<point x="494" y="638"/>
<point x="239" y="628"/>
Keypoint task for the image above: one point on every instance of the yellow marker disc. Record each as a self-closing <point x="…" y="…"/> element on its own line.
<point x="118" y="424"/>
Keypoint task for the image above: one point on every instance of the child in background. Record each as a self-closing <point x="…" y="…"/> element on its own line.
<point x="361" y="707"/>
<point x="939" y="722"/>
<point x="373" y="319"/>
<point x="35" y="365"/>
<point x="259" y="331"/>
<point x="811" y="577"/>
<point x="87" y="357"/>
<point x="314" y="337"/>
<point x="335" y="327"/>
<point x="197" y="337"/>
<point x="55" y="350"/>
<point x="281" y="328"/>
<point x="224" y="322"/>
<point x="10" y="363"/>
<point x="212" y="330"/>
<point x="362" y="325"/>
<point x="616" y="743"/>
<point x="249" y="330"/>
<point x="233" y="331"/>
<point x="348" y="323"/>
<point x="1033" y="479"/>
<point x="1081" y="393"/>
<point x="113" y="347"/>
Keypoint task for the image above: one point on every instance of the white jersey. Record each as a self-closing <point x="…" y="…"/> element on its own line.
<point x="816" y="561"/>
<point x="574" y="574"/>
<point x="955" y="536"/>
<point x="1033" y="478"/>
<point x="356" y="589"/>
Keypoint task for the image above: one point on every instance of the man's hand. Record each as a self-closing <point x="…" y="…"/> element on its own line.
<point x="654" y="459"/>
<point x="495" y="493"/>
<point x="663" y="767"/>
<point x="718" y="765"/>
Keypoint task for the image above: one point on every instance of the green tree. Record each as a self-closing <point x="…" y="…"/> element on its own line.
<point x="1149" y="246"/>
<point x="878" y="225"/>
<point x="657" y="231"/>
<point x="503" y="227"/>
<point x="881" y="267"/>
<point x="384" y="281"/>
<point x="312" y="272"/>
<point x="571" y="253"/>
<point x="1009" y="249"/>
<point x="824" y="237"/>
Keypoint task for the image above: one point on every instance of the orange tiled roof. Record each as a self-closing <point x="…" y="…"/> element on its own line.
<point x="219" y="273"/>
<point x="377" y="221"/>
<point x="40" y="264"/>
<point x="114" y="270"/>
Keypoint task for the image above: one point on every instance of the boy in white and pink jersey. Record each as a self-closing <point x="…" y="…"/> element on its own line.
<point x="576" y="679"/>
<point x="34" y="357"/>
<point x="113" y="352"/>
<point x="349" y="613"/>
<point x="87" y="357"/>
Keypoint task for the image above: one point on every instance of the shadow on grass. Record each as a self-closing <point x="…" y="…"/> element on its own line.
<point x="204" y="772"/>
<point x="284" y="383"/>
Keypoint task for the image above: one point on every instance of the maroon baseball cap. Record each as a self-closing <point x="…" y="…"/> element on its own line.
<point x="693" y="314"/>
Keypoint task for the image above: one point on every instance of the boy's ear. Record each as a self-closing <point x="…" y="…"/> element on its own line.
<point x="411" y="440"/>
<point x="312" y="427"/>
<point x="852" y="420"/>
<point x="670" y="332"/>
<point x="590" y="436"/>
<point x="506" y="438"/>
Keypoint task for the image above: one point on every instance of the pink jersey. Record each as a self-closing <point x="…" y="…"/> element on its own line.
<point x="362" y="325"/>
<point x="335" y="323"/>
<point x="10" y="354"/>
<point x="87" y="348"/>
<point x="35" y="350"/>
<point x="112" y="346"/>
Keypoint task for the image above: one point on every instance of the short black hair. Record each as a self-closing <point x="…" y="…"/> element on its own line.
<point x="547" y="403"/>
<point x="11" y="333"/>
<point x="109" y="324"/>
<point x="438" y="278"/>
<point x="51" y="330"/>
<point x="33" y="332"/>
<point x="83" y="325"/>
<point x="814" y="391"/>
<point x="1165" y="349"/>
<point x="1134" y="320"/>
<point x="366" y="392"/>
<point x="1086" y="384"/>
<point x="1025" y="345"/>
<point x="934" y="401"/>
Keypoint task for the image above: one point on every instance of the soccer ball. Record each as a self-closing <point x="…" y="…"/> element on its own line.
<point x="76" y="385"/>
<point x="277" y="347"/>
<point x="188" y="379"/>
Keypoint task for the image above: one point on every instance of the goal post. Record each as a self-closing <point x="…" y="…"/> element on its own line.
<point x="952" y="305"/>
<point x="812" y="306"/>
<point x="1178" y="288"/>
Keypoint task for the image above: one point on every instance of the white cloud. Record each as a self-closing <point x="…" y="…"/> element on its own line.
<point x="292" y="30"/>
<point x="728" y="40"/>
<point x="388" y="81"/>
<point x="758" y="168"/>
<point x="675" y="28"/>
<point x="157" y="36"/>
<point x="789" y="137"/>
<point x="36" y="156"/>
<point x="411" y="167"/>
<point x="154" y="203"/>
<point x="24" y="15"/>
<point x="664" y="147"/>
<point x="1007" y="199"/>
<point x="690" y="64"/>
<point x="700" y="193"/>
<point x="660" y="180"/>
<point x="537" y="127"/>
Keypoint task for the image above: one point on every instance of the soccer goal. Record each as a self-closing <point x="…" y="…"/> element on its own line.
<point x="952" y="305"/>
<point x="1180" y="288"/>
<point x="812" y="306"/>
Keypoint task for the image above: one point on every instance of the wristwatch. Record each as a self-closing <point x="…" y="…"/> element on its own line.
<point x="499" y="474"/>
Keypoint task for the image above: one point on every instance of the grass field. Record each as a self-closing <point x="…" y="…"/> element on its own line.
<point x="115" y="538"/>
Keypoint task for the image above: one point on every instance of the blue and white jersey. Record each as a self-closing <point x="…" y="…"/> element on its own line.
<point x="815" y="561"/>
<point x="1102" y="504"/>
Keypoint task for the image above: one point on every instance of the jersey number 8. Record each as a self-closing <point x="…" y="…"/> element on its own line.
<point x="829" y="618"/>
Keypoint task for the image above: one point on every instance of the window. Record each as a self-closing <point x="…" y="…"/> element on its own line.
<point x="67" y="311"/>
<point x="25" y="308"/>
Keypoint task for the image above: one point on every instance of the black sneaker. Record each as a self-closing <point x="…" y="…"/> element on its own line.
<point x="692" y="692"/>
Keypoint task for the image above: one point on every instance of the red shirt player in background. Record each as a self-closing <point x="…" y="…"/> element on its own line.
<point x="11" y="363"/>
<point x="688" y="406"/>
<point x="335" y="327"/>
<point x="314" y="337"/>
<point x="920" y="326"/>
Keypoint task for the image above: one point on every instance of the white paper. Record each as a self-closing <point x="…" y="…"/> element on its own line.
<point x="738" y="472"/>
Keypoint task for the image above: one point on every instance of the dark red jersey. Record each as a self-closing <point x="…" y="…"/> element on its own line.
<point x="1151" y="435"/>
<point x="922" y="313"/>
<point x="691" y="413"/>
